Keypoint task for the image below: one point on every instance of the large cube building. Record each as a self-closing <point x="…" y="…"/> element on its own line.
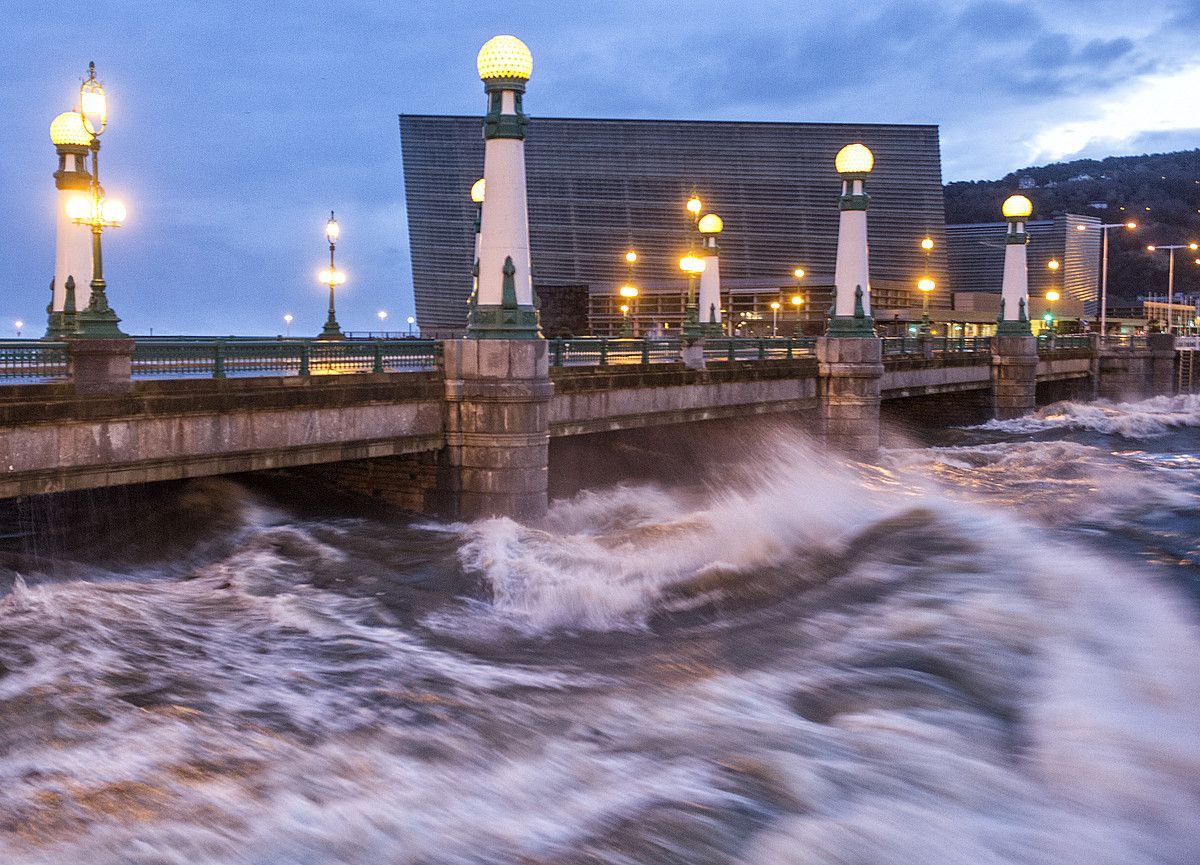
<point x="597" y="188"/>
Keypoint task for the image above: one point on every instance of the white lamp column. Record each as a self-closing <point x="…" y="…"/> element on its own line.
<point x="1014" y="292"/>
<point x="710" y="226"/>
<point x="72" y="242"/>
<point x="852" y="274"/>
<point x="504" y="305"/>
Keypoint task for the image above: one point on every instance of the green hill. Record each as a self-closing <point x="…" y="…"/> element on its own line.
<point x="1160" y="192"/>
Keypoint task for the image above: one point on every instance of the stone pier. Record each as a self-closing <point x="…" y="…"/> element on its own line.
<point x="850" y="372"/>
<point x="1162" y="364"/>
<point x="1014" y="375"/>
<point x="497" y="427"/>
<point x="100" y="366"/>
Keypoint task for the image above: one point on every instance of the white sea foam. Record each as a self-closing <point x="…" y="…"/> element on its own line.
<point x="1149" y="418"/>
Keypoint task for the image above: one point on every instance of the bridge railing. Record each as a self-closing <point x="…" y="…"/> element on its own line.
<point x="1126" y="341"/>
<point x="603" y="351"/>
<point x="915" y="345"/>
<point x="1064" y="340"/>
<point x="32" y="360"/>
<point x="221" y="358"/>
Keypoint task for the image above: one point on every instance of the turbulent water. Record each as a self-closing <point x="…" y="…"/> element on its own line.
<point x="979" y="650"/>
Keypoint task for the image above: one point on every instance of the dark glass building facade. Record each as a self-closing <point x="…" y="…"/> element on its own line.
<point x="597" y="188"/>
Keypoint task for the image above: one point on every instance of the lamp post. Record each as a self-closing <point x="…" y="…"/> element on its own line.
<point x="709" y="226"/>
<point x="1104" y="229"/>
<point x="775" y="318"/>
<point x="18" y="324"/>
<point x="331" y="277"/>
<point x="925" y="285"/>
<point x="1053" y="265"/>
<point x="478" y="191"/>
<point x="288" y="318"/>
<point x="411" y="321"/>
<point x="799" y="300"/>
<point x="1171" y="276"/>
<point x="505" y="306"/>
<point x="693" y="267"/>
<point x="628" y="292"/>
<point x="97" y="320"/>
<point x="852" y="281"/>
<point x="1014" y="292"/>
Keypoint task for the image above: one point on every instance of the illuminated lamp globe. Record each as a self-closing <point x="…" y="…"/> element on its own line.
<point x="331" y="277"/>
<point x="629" y="291"/>
<point x="854" y="159"/>
<point x="624" y="309"/>
<point x="927" y="244"/>
<point x="504" y="57"/>
<point x="691" y="264"/>
<point x="631" y="257"/>
<point x="1052" y="295"/>
<point x="1017" y="207"/>
<point x="798" y="273"/>
<point x="710" y="223"/>
<point x="112" y="211"/>
<point x="67" y="128"/>
<point x="80" y="208"/>
<point x="477" y="190"/>
<point x="694" y="204"/>
<point x="926" y="284"/>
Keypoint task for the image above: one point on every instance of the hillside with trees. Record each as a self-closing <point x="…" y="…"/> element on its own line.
<point x="1160" y="192"/>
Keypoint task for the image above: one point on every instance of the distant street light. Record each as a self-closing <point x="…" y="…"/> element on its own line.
<point x="331" y="277"/>
<point x="411" y="321"/>
<point x="693" y="267"/>
<point x="1104" y="265"/>
<point x="18" y="324"/>
<point x="798" y="301"/>
<point x="628" y="291"/>
<point x="1171" y="276"/>
<point x="382" y="318"/>
<point x="97" y="320"/>
<point x="775" y="318"/>
<point x="288" y="318"/>
<point x="1053" y="265"/>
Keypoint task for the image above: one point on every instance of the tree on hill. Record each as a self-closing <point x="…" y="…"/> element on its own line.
<point x="1160" y="192"/>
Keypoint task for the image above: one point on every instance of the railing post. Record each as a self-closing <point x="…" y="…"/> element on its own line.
<point x="731" y="354"/>
<point x="604" y="351"/>
<point x="219" y="359"/>
<point x="378" y="364"/>
<point x="762" y="349"/>
<point x="645" y="350"/>
<point x="305" y="358"/>
<point x="556" y="352"/>
<point x="789" y="348"/>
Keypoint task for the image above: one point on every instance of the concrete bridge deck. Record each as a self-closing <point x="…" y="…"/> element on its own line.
<point x="53" y="439"/>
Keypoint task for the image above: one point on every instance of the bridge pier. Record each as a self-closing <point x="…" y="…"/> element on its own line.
<point x="497" y="427"/>
<point x="1014" y="376"/>
<point x="1124" y="372"/>
<point x="100" y="366"/>
<point x="850" y="371"/>
<point x="1162" y="364"/>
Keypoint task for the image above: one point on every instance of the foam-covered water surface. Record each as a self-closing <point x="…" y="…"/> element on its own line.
<point x="982" y="652"/>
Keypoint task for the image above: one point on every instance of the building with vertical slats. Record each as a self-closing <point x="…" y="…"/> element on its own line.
<point x="976" y="257"/>
<point x="597" y="188"/>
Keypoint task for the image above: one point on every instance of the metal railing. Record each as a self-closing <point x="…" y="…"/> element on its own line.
<point x="604" y="351"/>
<point x="915" y="345"/>
<point x="32" y="360"/>
<point x="1126" y="341"/>
<point x="1064" y="340"/>
<point x="224" y="358"/>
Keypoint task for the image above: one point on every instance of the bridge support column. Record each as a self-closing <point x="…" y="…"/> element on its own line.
<point x="497" y="427"/>
<point x="1162" y="364"/>
<point x="1014" y="375"/>
<point x="850" y="370"/>
<point x="100" y="366"/>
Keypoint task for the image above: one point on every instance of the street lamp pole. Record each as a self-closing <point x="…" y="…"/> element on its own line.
<point x="288" y="318"/>
<point x="926" y="286"/>
<point x="1171" y="276"/>
<point x="98" y="320"/>
<point x="799" y="300"/>
<point x="774" y="318"/>
<point x="1104" y="266"/>
<point x="331" y="277"/>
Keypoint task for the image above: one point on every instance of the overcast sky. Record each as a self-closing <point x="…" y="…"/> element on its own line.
<point x="236" y="127"/>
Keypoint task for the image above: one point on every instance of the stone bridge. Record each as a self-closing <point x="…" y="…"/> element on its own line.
<point x="471" y="436"/>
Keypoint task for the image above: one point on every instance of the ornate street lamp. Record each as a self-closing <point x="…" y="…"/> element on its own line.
<point x="1053" y="265"/>
<point x="628" y="291"/>
<point x="288" y="318"/>
<point x="97" y="320"/>
<point x="852" y="280"/>
<point x="693" y="267"/>
<point x="331" y="277"/>
<point x="926" y="286"/>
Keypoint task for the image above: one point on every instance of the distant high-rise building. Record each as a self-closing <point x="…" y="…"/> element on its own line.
<point x="597" y="188"/>
<point x="976" y="257"/>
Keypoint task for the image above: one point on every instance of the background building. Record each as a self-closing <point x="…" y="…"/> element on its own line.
<point x="976" y="258"/>
<point x="599" y="187"/>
